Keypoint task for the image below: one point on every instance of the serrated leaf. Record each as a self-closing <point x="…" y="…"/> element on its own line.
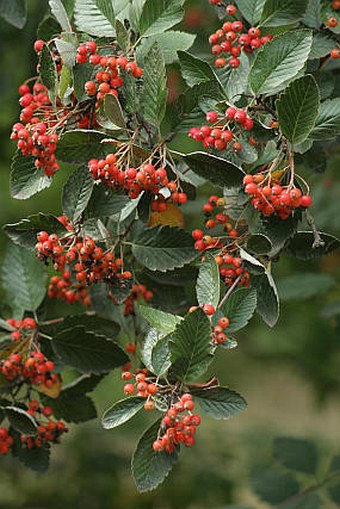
<point x="280" y="231"/>
<point x="251" y="10"/>
<point x="282" y="12"/>
<point x="14" y="12"/>
<point x="48" y="72"/>
<point x="259" y="244"/>
<point x="122" y="411"/>
<point x="235" y="81"/>
<point x="216" y="169"/>
<point x="322" y="45"/>
<point x="268" y="305"/>
<point x="76" y="193"/>
<point x="279" y="61"/>
<point x="113" y="111"/>
<point x="35" y="459"/>
<point x="105" y="202"/>
<point x="239" y="308"/>
<point x="164" y="322"/>
<point x="94" y="17"/>
<point x="91" y="323"/>
<point x="296" y="454"/>
<point x="194" y="70"/>
<point x="303" y="286"/>
<point x="169" y="42"/>
<point x="301" y="245"/>
<point x="157" y="17"/>
<point x="67" y="49"/>
<point x="48" y="28"/>
<point x="72" y="407"/>
<point x="220" y="402"/>
<point x="190" y="346"/>
<point x="160" y="357"/>
<point x="163" y="247"/>
<point x="150" y="468"/>
<point x="208" y="282"/>
<point x="312" y="16"/>
<point x="20" y="420"/>
<point x="24" y="233"/>
<point x="23" y="279"/>
<point x="26" y="179"/>
<point x="298" y="108"/>
<point x="327" y="125"/>
<point x="88" y="352"/>
<point x="122" y="36"/>
<point x="154" y="93"/>
<point x="274" y="486"/>
<point x="150" y="341"/>
<point x="58" y="10"/>
<point x="80" y="145"/>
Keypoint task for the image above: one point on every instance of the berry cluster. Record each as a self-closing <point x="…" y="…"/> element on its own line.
<point x="135" y="181"/>
<point x="232" y="39"/>
<point x="35" y="369"/>
<point x="6" y="441"/>
<point x="48" y="432"/>
<point x="224" y="130"/>
<point x="218" y="336"/>
<point x="137" y="292"/>
<point x="179" y="428"/>
<point x="272" y="198"/>
<point x="23" y="327"/>
<point x="107" y="79"/>
<point x="61" y="287"/>
<point x="143" y="385"/>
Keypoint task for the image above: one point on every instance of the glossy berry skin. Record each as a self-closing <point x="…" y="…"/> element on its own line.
<point x="332" y="22"/>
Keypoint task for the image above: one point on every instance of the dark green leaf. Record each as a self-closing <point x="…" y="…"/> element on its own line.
<point x="95" y="17"/>
<point x="268" y="305"/>
<point x="113" y="112"/>
<point x="194" y="70"/>
<point x="251" y="10"/>
<point x="239" y="308"/>
<point x="157" y="17"/>
<point x="106" y="202"/>
<point x="35" y="459"/>
<point x="48" y="72"/>
<point x="235" y="81"/>
<point x="26" y="179"/>
<point x="327" y="125"/>
<point x="301" y="245"/>
<point x="80" y="145"/>
<point x="259" y="244"/>
<point x="312" y="16"/>
<point x="23" y="279"/>
<point x="48" y="28"/>
<point x="21" y="420"/>
<point x="190" y="346"/>
<point x="217" y="170"/>
<point x="91" y="323"/>
<point x="298" y="108"/>
<point x="322" y="45"/>
<point x="160" y="356"/>
<point x="208" y="282"/>
<point x="14" y="12"/>
<point x="163" y="248"/>
<point x="150" y="468"/>
<point x="282" y="12"/>
<point x="122" y="411"/>
<point x="170" y="43"/>
<point x="279" y="231"/>
<point x="77" y="192"/>
<point x="154" y="93"/>
<point x="296" y="454"/>
<point x="24" y="233"/>
<point x="72" y="406"/>
<point x="164" y="322"/>
<point x="88" y="352"/>
<point x="273" y="486"/>
<point x="220" y="402"/>
<point x="122" y="36"/>
<point x="279" y="61"/>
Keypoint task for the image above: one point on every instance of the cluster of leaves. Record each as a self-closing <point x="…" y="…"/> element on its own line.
<point x="288" y="89"/>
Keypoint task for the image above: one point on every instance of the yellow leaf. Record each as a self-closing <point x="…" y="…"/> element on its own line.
<point x="53" y="391"/>
<point x="171" y="217"/>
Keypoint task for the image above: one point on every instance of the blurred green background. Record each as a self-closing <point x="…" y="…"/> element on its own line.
<point x="290" y="375"/>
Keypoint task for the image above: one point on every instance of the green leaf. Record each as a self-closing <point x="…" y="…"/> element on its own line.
<point x="220" y="402"/>
<point x="67" y="49"/>
<point x="280" y="231"/>
<point x="72" y="407"/>
<point x="190" y="346"/>
<point x="273" y="486"/>
<point x="235" y="81"/>
<point x="122" y="411"/>
<point x="312" y="16"/>
<point x="58" y="10"/>
<point x="154" y="93"/>
<point x="259" y="244"/>
<point x="105" y="202"/>
<point x="36" y="459"/>
<point x="150" y="468"/>
<point x="169" y="42"/>
<point x="194" y="70"/>
<point x="20" y="420"/>
<point x="76" y="193"/>
<point x="88" y="352"/>
<point x="95" y="17"/>
<point x="164" y="322"/>
<point x="65" y="83"/>
<point x="279" y="61"/>
<point x="47" y="28"/>
<point x="217" y="170"/>
<point x="14" y="12"/>
<point x="301" y="245"/>
<point x="113" y="111"/>
<point x="327" y="12"/>
<point x="282" y="12"/>
<point x="160" y="357"/>
<point x="296" y="454"/>
<point x="298" y="108"/>
<point x="48" y="72"/>
<point x="80" y="145"/>
<point x="24" y="233"/>
<point x="157" y="17"/>
<point x="268" y="305"/>
<point x="303" y="286"/>
<point x="239" y="308"/>
<point x="163" y="248"/>
<point x="327" y="125"/>
<point x="251" y="10"/>
<point x="122" y="36"/>
<point x="322" y="45"/>
<point x="23" y="279"/>
<point x="26" y="179"/>
<point x="208" y="282"/>
<point x="91" y="323"/>
<point x="150" y="341"/>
